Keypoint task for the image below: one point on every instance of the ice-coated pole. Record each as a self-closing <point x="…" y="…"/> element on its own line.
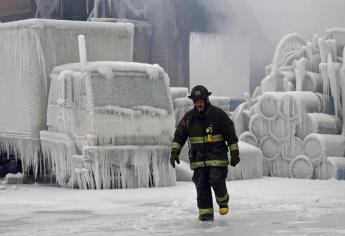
<point x="82" y="49"/>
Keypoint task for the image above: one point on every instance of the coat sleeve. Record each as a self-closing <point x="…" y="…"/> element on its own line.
<point x="180" y="136"/>
<point x="229" y="134"/>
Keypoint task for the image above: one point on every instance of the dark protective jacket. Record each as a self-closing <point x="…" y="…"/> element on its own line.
<point x="210" y="135"/>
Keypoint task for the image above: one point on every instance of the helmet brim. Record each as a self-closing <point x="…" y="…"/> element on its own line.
<point x="191" y="97"/>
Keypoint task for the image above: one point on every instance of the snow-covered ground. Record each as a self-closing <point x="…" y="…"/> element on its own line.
<point x="266" y="206"/>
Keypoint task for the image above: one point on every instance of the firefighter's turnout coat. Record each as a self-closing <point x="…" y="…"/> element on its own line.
<point x="211" y="134"/>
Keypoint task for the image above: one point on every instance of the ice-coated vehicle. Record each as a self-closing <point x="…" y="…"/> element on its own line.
<point x="110" y="125"/>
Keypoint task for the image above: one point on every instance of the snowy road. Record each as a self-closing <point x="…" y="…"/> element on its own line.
<point x="267" y="206"/>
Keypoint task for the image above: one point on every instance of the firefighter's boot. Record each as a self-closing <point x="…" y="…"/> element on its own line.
<point x="223" y="210"/>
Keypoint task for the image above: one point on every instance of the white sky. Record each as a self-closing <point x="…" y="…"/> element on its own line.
<point x="266" y="206"/>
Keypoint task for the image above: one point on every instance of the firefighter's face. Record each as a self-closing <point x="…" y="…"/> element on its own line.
<point x="200" y="105"/>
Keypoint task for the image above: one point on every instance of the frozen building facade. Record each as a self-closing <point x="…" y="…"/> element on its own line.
<point x="296" y="116"/>
<point x="162" y="27"/>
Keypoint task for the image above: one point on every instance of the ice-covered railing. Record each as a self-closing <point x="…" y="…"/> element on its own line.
<point x="298" y="117"/>
<point x="288" y="46"/>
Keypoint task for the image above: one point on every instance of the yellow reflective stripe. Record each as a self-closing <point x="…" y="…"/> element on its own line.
<point x="215" y="163"/>
<point x="194" y="140"/>
<point x="205" y="211"/>
<point x="222" y="199"/>
<point x="233" y="147"/>
<point x="176" y="145"/>
<point x="215" y="138"/>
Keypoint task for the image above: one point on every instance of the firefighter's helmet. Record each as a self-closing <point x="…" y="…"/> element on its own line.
<point x="199" y="92"/>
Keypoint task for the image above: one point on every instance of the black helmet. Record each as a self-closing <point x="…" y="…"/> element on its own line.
<point x="199" y="92"/>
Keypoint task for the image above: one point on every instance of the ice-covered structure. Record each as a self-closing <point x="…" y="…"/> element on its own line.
<point x="298" y="115"/>
<point x="29" y="51"/>
<point x="99" y="118"/>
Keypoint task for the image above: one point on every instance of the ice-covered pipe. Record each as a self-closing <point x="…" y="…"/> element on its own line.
<point x="82" y="49"/>
<point x="282" y="129"/>
<point x="319" y="146"/>
<point x="301" y="167"/>
<point x="271" y="147"/>
<point x="292" y="148"/>
<point x="287" y="44"/>
<point x="327" y="105"/>
<point x="332" y="167"/>
<point x="312" y="82"/>
<point x="294" y="104"/>
<point x="268" y="104"/>
<point x="278" y="167"/>
<point x="258" y="126"/>
<point x="319" y="123"/>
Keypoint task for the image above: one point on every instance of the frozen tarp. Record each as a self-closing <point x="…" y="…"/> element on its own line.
<point x="251" y="164"/>
<point x="249" y="138"/>
<point x="29" y="50"/>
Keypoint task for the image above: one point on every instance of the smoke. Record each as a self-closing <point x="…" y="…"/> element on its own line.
<point x="231" y="61"/>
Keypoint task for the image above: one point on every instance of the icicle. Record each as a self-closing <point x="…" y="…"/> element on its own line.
<point x="342" y="84"/>
<point x="300" y="73"/>
<point x="334" y="81"/>
<point x="82" y="49"/>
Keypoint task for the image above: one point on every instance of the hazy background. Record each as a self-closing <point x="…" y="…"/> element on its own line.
<point x="232" y="62"/>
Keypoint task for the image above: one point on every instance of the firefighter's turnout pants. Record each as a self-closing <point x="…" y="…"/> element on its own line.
<point x="206" y="178"/>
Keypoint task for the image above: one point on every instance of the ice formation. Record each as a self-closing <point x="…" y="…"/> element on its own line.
<point x="298" y="118"/>
<point x="29" y="50"/>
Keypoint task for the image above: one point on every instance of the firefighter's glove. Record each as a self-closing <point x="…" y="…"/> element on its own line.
<point x="235" y="159"/>
<point x="174" y="157"/>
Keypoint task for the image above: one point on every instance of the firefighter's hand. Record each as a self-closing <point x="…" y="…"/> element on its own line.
<point x="174" y="157"/>
<point x="235" y="159"/>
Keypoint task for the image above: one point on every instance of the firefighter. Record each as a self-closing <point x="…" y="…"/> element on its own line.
<point x="210" y="133"/>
